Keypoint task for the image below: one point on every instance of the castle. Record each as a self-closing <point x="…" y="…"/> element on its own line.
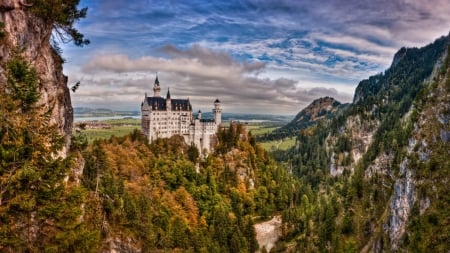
<point x="166" y="117"/>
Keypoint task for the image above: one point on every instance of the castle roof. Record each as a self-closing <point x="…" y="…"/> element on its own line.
<point x="160" y="104"/>
<point x="217" y="101"/>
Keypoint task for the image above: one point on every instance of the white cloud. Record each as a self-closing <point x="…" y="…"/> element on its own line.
<point x="356" y="43"/>
<point x="197" y="73"/>
<point x="268" y="55"/>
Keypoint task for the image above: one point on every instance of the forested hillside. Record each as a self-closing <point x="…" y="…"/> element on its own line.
<point x="319" y="109"/>
<point x="162" y="196"/>
<point x="375" y="177"/>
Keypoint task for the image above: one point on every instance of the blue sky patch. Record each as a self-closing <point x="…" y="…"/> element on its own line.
<point x="237" y="47"/>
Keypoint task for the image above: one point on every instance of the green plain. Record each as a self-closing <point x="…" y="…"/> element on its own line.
<point x="261" y="129"/>
<point x="122" y="127"/>
<point x="94" y="134"/>
<point x="284" y="144"/>
<point x="119" y="127"/>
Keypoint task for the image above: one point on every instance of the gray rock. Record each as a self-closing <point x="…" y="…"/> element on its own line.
<point x="445" y="135"/>
<point x="32" y="33"/>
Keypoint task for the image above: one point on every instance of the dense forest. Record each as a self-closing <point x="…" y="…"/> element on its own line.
<point x="354" y="191"/>
<point x="165" y="197"/>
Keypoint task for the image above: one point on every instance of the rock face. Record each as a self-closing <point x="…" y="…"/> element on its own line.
<point x="268" y="232"/>
<point x="401" y="204"/>
<point x="392" y="141"/>
<point x="406" y="194"/>
<point x="399" y="56"/>
<point x="121" y="245"/>
<point x="31" y="34"/>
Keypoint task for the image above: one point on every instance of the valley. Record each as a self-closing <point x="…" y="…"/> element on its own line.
<point x="100" y="128"/>
<point x="361" y="172"/>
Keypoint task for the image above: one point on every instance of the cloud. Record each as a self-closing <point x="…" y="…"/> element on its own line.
<point x="254" y="54"/>
<point x="182" y="66"/>
<point x="352" y="42"/>
<point x="198" y="73"/>
<point x="211" y="58"/>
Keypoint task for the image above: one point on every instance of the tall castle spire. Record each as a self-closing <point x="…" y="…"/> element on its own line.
<point x="168" y="100"/>
<point x="168" y="93"/>
<point x="156" y="87"/>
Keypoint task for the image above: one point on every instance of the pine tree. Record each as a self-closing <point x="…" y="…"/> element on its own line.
<point x="35" y="203"/>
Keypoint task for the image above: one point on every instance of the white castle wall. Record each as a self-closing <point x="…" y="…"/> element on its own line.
<point x="166" y="123"/>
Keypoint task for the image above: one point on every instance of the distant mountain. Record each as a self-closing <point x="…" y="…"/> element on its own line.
<point x="243" y="117"/>
<point x="321" y="108"/>
<point x="84" y="110"/>
<point x="100" y="112"/>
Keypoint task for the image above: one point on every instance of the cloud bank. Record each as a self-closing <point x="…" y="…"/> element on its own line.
<point x="259" y="56"/>
<point x="198" y="73"/>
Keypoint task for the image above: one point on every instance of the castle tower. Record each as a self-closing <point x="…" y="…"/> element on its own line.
<point x="156" y="88"/>
<point x="217" y="111"/>
<point x="168" y="101"/>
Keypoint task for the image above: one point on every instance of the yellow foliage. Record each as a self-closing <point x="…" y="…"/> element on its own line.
<point x="242" y="187"/>
<point x="182" y="204"/>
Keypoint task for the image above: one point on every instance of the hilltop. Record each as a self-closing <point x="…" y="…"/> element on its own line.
<point x="319" y="109"/>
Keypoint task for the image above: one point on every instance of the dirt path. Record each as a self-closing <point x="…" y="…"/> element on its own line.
<point x="268" y="232"/>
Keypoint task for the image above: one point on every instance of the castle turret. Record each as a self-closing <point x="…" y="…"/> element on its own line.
<point x="217" y="111"/>
<point x="199" y="114"/>
<point x="168" y="101"/>
<point x="156" y="88"/>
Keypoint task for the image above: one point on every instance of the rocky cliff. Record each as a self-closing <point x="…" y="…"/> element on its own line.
<point x="27" y="32"/>
<point x="391" y="150"/>
<point x="382" y="162"/>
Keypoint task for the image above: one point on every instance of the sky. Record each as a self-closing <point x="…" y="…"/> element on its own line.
<point x="256" y="56"/>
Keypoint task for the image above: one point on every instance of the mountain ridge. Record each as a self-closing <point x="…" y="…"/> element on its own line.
<point x="324" y="107"/>
<point x="374" y="160"/>
<point x="319" y="109"/>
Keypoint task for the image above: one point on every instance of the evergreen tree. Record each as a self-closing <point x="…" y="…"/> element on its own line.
<point x="62" y="15"/>
<point x="38" y="210"/>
